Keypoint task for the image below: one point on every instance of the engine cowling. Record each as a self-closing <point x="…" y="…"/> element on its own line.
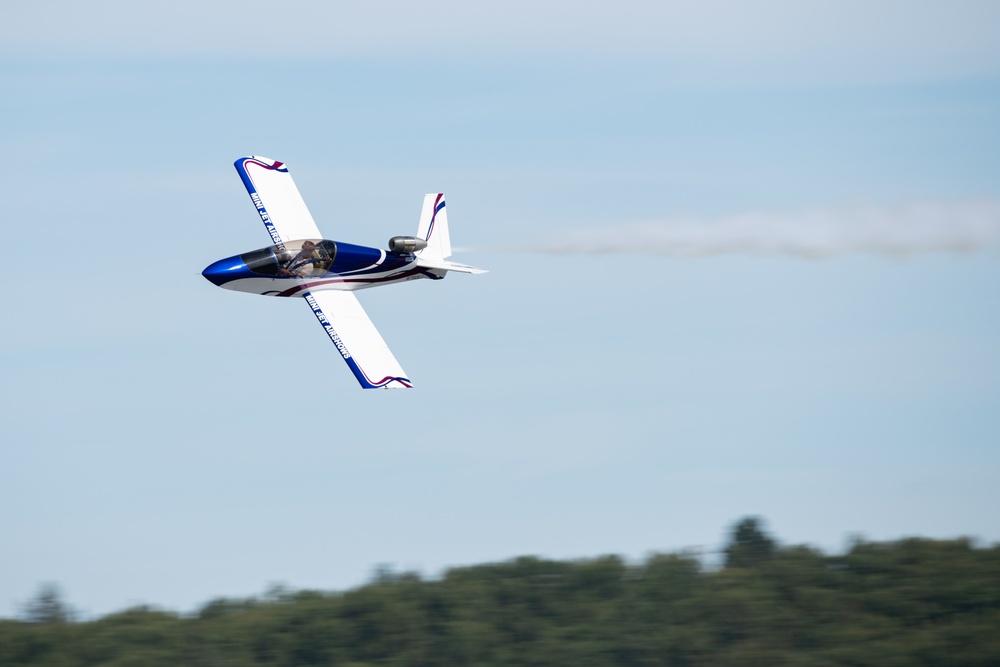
<point x="406" y="244"/>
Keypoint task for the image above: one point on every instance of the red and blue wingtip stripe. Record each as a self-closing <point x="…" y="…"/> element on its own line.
<point x="368" y="383"/>
<point x="438" y="205"/>
<point x="267" y="163"/>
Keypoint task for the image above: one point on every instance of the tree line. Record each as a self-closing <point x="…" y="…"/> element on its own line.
<point x="908" y="602"/>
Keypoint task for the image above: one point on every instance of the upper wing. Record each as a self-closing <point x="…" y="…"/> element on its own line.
<point x="278" y="201"/>
<point x="357" y="339"/>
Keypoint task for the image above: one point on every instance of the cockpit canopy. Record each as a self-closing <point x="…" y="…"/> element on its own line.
<point x="301" y="257"/>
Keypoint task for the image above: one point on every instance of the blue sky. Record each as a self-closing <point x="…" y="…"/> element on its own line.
<point x="167" y="442"/>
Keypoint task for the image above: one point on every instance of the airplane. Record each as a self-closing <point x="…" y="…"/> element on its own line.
<point x="301" y="263"/>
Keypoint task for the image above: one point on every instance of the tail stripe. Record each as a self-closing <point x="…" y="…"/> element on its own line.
<point x="438" y="205"/>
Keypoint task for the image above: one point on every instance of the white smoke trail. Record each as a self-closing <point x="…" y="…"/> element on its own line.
<point x="915" y="228"/>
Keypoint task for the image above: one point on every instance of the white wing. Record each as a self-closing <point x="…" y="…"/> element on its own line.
<point x="357" y="339"/>
<point x="278" y="201"/>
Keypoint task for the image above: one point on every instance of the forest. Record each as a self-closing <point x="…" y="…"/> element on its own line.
<point x="909" y="602"/>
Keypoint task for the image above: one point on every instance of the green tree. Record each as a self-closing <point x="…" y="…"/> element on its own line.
<point x="47" y="606"/>
<point x="909" y="602"/>
<point x="749" y="546"/>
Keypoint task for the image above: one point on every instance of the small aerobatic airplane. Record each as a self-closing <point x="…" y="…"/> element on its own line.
<point x="325" y="273"/>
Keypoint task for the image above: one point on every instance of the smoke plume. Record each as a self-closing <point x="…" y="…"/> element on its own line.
<point x="916" y="228"/>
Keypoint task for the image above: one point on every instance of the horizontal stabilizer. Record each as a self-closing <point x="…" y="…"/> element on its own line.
<point x="445" y="265"/>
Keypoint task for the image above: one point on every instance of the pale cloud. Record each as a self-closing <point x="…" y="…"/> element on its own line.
<point x="905" y="230"/>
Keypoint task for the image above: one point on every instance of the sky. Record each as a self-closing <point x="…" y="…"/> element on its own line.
<point x="744" y="261"/>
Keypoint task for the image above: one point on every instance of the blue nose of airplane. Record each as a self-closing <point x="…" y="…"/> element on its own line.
<point x="226" y="270"/>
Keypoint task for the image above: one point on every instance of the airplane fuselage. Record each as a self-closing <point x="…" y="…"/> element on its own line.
<point x="294" y="268"/>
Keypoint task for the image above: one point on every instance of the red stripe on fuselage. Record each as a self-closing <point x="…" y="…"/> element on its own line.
<point x="293" y="291"/>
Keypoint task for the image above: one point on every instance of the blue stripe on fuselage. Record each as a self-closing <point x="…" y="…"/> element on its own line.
<point x="356" y="260"/>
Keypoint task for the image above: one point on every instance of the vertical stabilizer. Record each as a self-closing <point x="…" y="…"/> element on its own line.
<point x="434" y="228"/>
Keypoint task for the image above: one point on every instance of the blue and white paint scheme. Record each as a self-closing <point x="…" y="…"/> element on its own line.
<point x="301" y="263"/>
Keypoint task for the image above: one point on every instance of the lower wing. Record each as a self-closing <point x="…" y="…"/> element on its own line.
<point x="357" y="339"/>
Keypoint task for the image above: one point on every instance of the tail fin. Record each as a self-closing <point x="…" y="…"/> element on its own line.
<point x="434" y="228"/>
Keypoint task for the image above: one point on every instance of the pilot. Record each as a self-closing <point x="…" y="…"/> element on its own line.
<point x="302" y="264"/>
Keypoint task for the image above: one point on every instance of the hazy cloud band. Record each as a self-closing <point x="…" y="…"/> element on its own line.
<point x="915" y="228"/>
